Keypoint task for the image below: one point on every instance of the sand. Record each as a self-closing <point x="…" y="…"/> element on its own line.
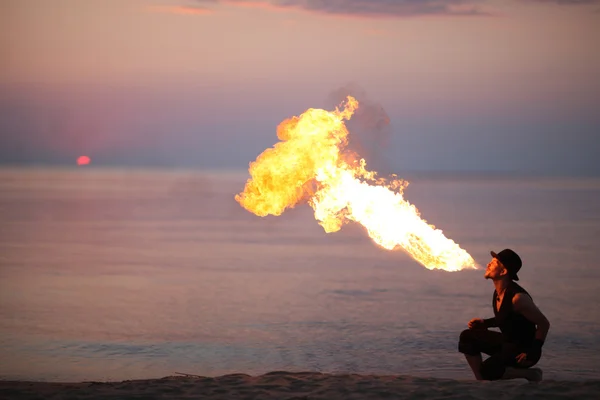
<point x="300" y="385"/>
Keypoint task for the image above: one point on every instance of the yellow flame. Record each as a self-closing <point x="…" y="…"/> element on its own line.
<point x="311" y="164"/>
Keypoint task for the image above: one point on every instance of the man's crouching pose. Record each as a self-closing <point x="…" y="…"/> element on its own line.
<point x="523" y="327"/>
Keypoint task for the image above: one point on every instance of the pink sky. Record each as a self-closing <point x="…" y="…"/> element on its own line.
<point x="454" y="58"/>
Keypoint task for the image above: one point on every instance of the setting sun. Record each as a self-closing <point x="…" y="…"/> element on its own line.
<point x="83" y="160"/>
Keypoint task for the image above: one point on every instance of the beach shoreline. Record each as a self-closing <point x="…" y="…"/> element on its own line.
<point x="300" y="385"/>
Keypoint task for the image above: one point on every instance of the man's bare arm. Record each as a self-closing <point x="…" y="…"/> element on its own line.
<point x="524" y="305"/>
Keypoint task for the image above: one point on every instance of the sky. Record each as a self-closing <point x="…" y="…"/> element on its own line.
<point x="445" y="86"/>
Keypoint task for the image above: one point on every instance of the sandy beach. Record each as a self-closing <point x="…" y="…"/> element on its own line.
<point x="300" y="385"/>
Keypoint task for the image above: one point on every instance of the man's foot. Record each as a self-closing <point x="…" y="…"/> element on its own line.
<point x="534" y="374"/>
<point x="531" y="374"/>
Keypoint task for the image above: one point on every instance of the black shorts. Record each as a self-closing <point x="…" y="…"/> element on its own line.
<point x="502" y="353"/>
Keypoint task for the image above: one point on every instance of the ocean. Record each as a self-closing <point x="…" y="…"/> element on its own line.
<point x="113" y="274"/>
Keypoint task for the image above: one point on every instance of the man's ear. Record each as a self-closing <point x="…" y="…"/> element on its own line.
<point x="504" y="272"/>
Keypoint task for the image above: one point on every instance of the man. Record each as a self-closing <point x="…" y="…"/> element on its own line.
<point x="523" y="327"/>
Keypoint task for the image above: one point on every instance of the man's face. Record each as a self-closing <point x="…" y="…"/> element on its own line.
<point x="495" y="270"/>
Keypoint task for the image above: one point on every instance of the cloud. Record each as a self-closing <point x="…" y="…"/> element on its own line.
<point x="566" y="2"/>
<point x="270" y="5"/>
<point x="181" y="10"/>
<point x="366" y="8"/>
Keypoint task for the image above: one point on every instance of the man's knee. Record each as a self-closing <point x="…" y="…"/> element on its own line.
<point x="466" y="336"/>
<point x="466" y="343"/>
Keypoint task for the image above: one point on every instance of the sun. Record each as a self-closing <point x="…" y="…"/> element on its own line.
<point x="83" y="160"/>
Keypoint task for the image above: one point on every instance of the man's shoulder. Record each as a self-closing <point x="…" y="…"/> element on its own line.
<point x="522" y="299"/>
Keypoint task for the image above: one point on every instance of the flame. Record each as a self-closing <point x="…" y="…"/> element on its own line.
<point x="311" y="165"/>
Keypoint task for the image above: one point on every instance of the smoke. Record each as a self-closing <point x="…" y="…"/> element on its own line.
<point x="370" y="128"/>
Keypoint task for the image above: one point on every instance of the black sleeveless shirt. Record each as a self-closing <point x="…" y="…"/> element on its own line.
<point x="515" y="327"/>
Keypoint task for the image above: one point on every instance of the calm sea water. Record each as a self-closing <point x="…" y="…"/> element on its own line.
<point x="121" y="274"/>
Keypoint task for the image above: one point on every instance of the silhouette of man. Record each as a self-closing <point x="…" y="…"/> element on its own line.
<point x="523" y="327"/>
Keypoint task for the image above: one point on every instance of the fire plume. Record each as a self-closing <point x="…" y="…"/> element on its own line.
<point x="311" y="164"/>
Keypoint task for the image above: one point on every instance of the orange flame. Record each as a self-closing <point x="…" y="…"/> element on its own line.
<point x="311" y="164"/>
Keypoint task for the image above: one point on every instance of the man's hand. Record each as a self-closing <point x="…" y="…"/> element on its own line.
<point x="476" y="323"/>
<point x="522" y="360"/>
<point x="533" y="354"/>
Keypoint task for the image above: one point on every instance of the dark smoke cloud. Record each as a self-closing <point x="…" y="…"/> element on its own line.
<point x="370" y="128"/>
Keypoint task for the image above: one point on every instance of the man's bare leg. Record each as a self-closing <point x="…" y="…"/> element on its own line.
<point x="531" y="374"/>
<point x="475" y="363"/>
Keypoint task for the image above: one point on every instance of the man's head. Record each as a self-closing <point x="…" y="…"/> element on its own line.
<point x="504" y="265"/>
